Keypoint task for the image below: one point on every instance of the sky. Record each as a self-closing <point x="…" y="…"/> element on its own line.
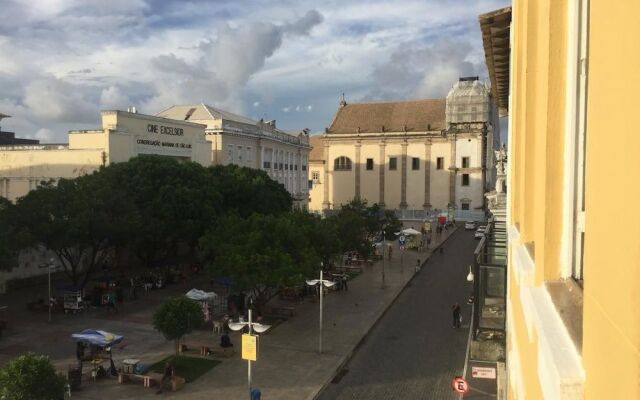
<point x="62" y="61"/>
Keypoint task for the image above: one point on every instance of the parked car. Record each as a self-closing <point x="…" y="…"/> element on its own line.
<point x="482" y="228"/>
<point x="469" y="225"/>
<point x="479" y="234"/>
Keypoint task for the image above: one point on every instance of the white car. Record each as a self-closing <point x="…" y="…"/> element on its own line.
<point x="469" y="225"/>
<point x="479" y="234"/>
<point x="482" y="228"/>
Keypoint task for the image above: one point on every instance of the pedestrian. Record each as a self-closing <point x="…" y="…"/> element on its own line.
<point x="428" y="241"/>
<point x="418" y="265"/>
<point x="344" y="283"/>
<point x="390" y="251"/>
<point x="166" y="377"/>
<point x="457" y="316"/>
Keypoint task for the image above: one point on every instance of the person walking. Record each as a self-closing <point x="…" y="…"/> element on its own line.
<point x="344" y="282"/>
<point x="457" y="316"/>
<point x="166" y="377"/>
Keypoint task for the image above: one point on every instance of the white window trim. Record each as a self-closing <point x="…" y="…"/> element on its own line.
<point x="573" y="222"/>
<point x="560" y="369"/>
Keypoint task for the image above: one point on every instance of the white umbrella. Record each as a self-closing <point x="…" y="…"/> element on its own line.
<point x="201" y="295"/>
<point x="409" y="231"/>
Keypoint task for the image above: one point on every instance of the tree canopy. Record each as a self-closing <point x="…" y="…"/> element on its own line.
<point x="176" y="317"/>
<point x="261" y="252"/>
<point x="31" y="377"/>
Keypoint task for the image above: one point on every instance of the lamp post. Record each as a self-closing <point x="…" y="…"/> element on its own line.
<point x="50" y="267"/>
<point x="326" y="283"/>
<point x="384" y="244"/>
<point x="258" y="327"/>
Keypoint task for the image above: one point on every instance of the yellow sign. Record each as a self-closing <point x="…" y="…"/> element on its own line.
<point x="427" y="226"/>
<point x="249" y="347"/>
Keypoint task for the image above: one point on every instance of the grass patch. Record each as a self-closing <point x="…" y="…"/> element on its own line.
<point x="190" y="368"/>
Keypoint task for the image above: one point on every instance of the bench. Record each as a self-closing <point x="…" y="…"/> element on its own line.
<point x="147" y="379"/>
<point x="205" y="347"/>
<point x="282" y="311"/>
<point x="349" y="268"/>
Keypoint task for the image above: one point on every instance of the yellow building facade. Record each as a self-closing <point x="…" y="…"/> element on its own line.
<point x="565" y="72"/>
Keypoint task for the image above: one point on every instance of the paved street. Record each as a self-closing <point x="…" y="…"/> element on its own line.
<point x="413" y="352"/>
<point x="289" y="367"/>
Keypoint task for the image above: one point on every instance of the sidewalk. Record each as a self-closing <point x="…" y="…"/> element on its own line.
<point x="288" y="365"/>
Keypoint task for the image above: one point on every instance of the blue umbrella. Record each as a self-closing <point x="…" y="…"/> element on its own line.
<point x="97" y="337"/>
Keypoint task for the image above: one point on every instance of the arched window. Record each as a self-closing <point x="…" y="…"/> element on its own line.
<point x="342" y="164"/>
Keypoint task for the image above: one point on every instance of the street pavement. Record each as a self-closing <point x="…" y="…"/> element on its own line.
<point x="414" y="352"/>
<point x="289" y="366"/>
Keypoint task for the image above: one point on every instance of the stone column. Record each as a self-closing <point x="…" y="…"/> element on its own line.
<point x="452" y="170"/>
<point x="383" y="163"/>
<point x="403" y="177"/>
<point x="327" y="165"/>
<point x="427" y="175"/>
<point x="357" y="180"/>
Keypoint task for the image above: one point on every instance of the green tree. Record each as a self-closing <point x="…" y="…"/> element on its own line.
<point x="31" y="377"/>
<point x="7" y="249"/>
<point x="246" y="191"/>
<point x="261" y="253"/>
<point x="80" y="220"/>
<point x="176" y="317"/>
<point x="174" y="202"/>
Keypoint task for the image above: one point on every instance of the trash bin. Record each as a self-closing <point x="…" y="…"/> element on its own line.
<point x="255" y="394"/>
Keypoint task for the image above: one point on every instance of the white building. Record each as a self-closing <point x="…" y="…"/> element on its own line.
<point x="255" y="144"/>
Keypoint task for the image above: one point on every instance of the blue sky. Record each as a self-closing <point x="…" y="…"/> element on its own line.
<point x="61" y="61"/>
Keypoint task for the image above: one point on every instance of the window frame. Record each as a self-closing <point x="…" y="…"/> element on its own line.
<point x="415" y="163"/>
<point x="393" y="163"/>
<point x="466" y="162"/>
<point x="467" y="178"/>
<point x="342" y="163"/>
<point x="440" y="163"/>
<point x="369" y="164"/>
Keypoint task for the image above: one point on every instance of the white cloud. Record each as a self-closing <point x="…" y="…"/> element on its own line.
<point x="63" y="60"/>
<point x="297" y="108"/>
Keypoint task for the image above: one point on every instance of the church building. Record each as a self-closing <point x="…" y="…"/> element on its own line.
<point x="409" y="155"/>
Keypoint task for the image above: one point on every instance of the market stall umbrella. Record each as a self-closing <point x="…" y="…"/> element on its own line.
<point x="201" y="295"/>
<point x="409" y="231"/>
<point x="97" y="337"/>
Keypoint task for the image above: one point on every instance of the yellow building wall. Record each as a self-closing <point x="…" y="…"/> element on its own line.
<point x="370" y="180"/>
<point x="415" y="178"/>
<point x="342" y="183"/>
<point x="611" y="320"/>
<point x="440" y="177"/>
<point x="612" y="251"/>
<point x="316" y="194"/>
<point x="25" y="168"/>
<point x="393" y="179"/>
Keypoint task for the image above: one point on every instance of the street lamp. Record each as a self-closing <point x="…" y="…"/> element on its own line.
<point x="384" y="244"/>
<point x="236" y="326"/>
<point x="326" y="283"/>
<point x="470" y="275"/>
<point x="50" y="267"/>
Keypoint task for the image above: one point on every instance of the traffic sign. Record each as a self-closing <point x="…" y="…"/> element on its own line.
<point x="483" y="372"/>
<point x="402" y="240"/>
<point x="249" y="347"/>
<point x="460" y="385"/>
